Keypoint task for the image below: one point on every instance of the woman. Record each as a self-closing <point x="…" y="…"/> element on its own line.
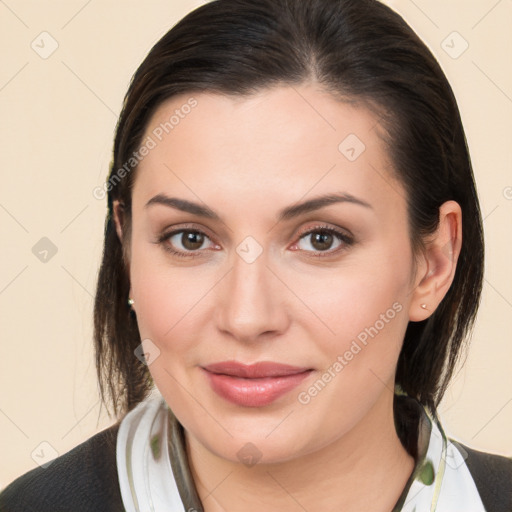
<point x="294" y="258"/>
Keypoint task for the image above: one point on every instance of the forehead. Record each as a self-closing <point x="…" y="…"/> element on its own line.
<point x="280" y="143"/>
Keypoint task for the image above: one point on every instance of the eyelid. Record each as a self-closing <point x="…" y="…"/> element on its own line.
<point x="186" y="227"/>
<point x="164" y="237"/>
<point x="346" y="238"/>
<point x="325" y="227"/>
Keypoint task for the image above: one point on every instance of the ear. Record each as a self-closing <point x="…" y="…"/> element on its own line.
<point x="438" y="264"/>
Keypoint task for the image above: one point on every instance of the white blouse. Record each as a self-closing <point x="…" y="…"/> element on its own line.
<point x="149" y="474"/>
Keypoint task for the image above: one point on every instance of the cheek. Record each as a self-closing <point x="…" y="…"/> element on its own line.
<point x="360" y="321"/>
<point x="354" y="302"/>
<point x="364" y="321"/>
<point x="166" y="299"/>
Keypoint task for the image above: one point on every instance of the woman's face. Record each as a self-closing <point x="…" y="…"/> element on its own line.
<point x="266" y="271"/>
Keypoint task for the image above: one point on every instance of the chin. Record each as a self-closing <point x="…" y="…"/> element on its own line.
<point x="250" y="450"/>
<point x="256" y="438"/>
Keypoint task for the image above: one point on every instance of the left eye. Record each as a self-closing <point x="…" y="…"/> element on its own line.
<point x="321" y="240"/>
<point x="188" y="240"/>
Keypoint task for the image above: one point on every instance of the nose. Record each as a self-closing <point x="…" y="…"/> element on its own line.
<point x="251" y="305"/>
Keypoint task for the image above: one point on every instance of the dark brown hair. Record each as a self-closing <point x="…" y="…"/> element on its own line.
<point x="356" y="49"/>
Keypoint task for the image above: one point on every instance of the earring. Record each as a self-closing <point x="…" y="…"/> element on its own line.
<point x="131" y="302"/>
<point x="424" y="306"/>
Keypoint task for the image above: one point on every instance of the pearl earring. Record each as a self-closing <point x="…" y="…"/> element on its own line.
<point x="131" y="302"/>
<point x="424" y="306"/>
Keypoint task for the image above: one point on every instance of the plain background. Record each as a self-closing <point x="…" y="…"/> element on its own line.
<point x="58" y="116"/>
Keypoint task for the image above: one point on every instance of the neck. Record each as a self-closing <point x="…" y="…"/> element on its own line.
<point x="366" y="469"/>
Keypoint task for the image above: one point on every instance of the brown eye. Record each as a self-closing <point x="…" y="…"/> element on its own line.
<point x="192" y="240"/>
<point x="321" y="241"/>
<point x="186" y="240"/>
<point x="187" y="243"/>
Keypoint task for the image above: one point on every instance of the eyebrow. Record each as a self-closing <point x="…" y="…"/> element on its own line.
<point x="286" y="214"/>
<point x="320" y="202"/>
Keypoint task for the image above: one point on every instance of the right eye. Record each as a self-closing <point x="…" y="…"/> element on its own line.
<point x="185" y="242"/>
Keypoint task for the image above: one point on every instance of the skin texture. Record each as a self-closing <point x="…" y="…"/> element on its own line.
<point x="247" y="159"/>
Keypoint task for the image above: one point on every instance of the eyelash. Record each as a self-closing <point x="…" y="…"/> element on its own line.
<point x="343" y="237"/>
<point x="347" y="240"/>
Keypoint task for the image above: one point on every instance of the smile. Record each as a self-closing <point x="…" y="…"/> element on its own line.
<point x="254" y="385"/>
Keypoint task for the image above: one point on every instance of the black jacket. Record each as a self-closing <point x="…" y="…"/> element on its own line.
<point x="85" y="480"/>
<point x="82" y="480"/>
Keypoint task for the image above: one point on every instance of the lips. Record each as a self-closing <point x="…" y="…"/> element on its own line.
<point x="254" y="385"/>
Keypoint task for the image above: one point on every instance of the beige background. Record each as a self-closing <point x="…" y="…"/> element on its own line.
<point x="57" y="120"/>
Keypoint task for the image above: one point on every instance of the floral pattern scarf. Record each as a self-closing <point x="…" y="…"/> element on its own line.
<point x="154" y="474"/>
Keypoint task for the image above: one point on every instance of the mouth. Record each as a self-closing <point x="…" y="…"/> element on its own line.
<point x="254" y="385"/>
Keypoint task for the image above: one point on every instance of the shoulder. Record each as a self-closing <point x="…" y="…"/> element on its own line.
<point x="82" y="480"/>
<point x="492" y="475"/>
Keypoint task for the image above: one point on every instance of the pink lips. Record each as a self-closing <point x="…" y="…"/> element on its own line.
<point x="254" y="385"/>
